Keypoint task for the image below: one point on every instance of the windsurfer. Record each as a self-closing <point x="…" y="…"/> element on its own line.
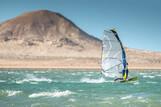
<point x="114" y="55"/>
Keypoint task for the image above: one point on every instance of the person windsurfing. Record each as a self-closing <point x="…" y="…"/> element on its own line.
<point x="113" y="57"/>
<point x="125" y="66"/>
<point x="124" y="62"/>
<point x="125" y="72"/>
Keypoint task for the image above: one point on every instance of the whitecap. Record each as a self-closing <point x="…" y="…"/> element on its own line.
<point x="72" y="100"/>
<point x="142" y="73"/>
<point x="40" y="72"/>
<point x="33" y="82"/>
<point x="12" y="93"/>
<point x="89" y="75"/>
<point x="143" y="100"/>
<point x="36" y="105"/>
<point x="88" y="80"/>
<point x="2" y="81"/>
<point x="151" y="82"/>
<point x="145" y="74"/>
<point x="73" y="74"/>
<point x="51" y="94"/>
<point x="126" y="97"/>
<point x="148" y="76"/>
<point x="139" y="97"/>
<point x="126" y="102"/>
<point x="33" y="79"/>
<point x="159" y="75"/>
<point x="12" y="72"/>
<point x="80" y="90"/>
<point x="107" y="100"/>
<point x="136" y="83"/>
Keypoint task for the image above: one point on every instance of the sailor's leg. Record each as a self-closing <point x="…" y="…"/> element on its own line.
<point x="127" y="71"/>
<point x="123" y="73"/>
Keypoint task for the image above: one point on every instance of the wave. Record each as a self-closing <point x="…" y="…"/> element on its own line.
<point x="9" y="93"/>
<point x="42" y="72"/>
<point x="141" y="73"/>
<point x="51" y="94"/>
<point x="72" y="100"/>
<point x="13" y="72"/>
<point x="148" y="76"/>
<point x="2" y="81"/>
<point x="33" y="79"/>
<point x="13" y="93"/>
<point x="126" y="97"/>
<point x="136" y="83"/>
<point x="107" y="100"/>
<point x="159" y="75"/>
<point x="151" y="82"/>
<point x="36" y="105"/>
<point x="89" y="80"/>
<point x="142" y="99"/>
<point x="75" y="74"/>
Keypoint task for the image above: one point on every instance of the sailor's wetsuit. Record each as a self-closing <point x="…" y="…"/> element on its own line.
<point x="125" y="72"/>
<point x="125" y="66"/>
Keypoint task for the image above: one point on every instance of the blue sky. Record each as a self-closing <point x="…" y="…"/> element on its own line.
<point x="138" y="22"/>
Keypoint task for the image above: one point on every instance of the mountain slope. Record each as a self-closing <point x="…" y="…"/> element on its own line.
<point x="41" y="25"/>
<point x="44" y="33"/>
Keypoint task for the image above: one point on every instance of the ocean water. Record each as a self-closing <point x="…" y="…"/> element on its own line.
<point x="69" y="88"/>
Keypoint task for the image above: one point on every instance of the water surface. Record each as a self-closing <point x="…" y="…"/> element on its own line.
<point x="62" y="88"/>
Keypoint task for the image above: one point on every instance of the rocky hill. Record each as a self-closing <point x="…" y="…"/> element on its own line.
<point x="45" y="39"/>
<point x="45" y="34"/>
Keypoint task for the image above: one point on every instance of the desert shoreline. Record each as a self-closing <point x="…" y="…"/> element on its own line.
<point x="72" y="69"/>
<point x="53" y="66"/>
<point x="68" y="64"/>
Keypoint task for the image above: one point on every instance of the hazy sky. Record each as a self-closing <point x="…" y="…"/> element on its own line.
<point x="138" y="22"/>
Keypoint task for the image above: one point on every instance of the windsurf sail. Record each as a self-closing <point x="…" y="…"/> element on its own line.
<point x="113" y="54"/>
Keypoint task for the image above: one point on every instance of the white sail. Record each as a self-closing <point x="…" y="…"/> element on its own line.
<point x="112" y="50"/>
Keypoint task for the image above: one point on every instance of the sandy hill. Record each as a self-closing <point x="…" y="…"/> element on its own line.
<point x="45" y="39"/>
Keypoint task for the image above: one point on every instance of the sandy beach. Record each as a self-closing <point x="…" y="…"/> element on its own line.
<point x="57" y="63"/>
<point x="67" y="63"/>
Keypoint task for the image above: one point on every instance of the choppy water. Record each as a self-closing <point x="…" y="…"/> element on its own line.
<point x="77" y="89"/>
